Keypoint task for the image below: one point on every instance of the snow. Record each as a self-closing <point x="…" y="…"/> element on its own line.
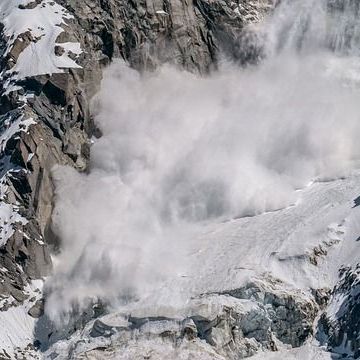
<point x="44" y="22"/>
<point x="162" y="12"/>
<point x="275" y="245"/>
<point x="306" y="352"/>
<point x="30" y="156"/>
<point x="8" y="218"/>
<point x="16" y="326"/>
<point x="75" y="48"/>
<point x="272" y="245"/>
<point x="278" y="244"/>
<point x="15" y="127"/>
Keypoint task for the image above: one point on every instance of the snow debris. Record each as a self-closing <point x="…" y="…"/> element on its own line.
<point x="17" y="326"/>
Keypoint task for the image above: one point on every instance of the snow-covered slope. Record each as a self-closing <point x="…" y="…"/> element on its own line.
<point x="291" y="252"/>
<point x="304" y="245"/>
<point x="33" y="28"/>
<point x="17" y="326"/>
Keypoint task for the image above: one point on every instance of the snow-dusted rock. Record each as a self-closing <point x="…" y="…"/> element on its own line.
<point x="341" y="320"/>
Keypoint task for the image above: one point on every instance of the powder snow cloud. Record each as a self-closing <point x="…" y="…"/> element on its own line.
<point x="178" y="150"/>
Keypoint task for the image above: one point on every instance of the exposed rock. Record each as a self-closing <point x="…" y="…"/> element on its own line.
<point x="30" y="5"/>
<point x="37" y="309"/>
<point x="59" y="50"/>
<point x="322" y="296"/>
<point x="292" y="313"/>
<point x="146" y="33"/>
<point x="235" y="328"/>
<point x="19" y="45"/>
<point x="341" y="320"/>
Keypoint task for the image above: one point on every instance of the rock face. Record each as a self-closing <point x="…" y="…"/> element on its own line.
<point x="291" y="314"/>
<point x="341" y="320"/>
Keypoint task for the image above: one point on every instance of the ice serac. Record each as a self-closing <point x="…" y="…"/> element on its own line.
<point x="217" y="326"/>
<point x="52" y="56"/>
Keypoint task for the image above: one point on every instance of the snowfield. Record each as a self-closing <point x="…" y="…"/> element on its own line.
<point x="282" y="245"/>
<point x="43" y="24"/>
<point x="17" y="326"/>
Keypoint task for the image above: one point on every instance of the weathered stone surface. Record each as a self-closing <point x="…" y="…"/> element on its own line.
<point x="235" y="328"/>
<point x="341" y="320"/>
<point x="21" y="43"/>
<point x="30" y="5"/>
<point x="190" y="34"/>
<point x="37" y="309"/>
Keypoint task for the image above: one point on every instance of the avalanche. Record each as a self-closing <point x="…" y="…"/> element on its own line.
<point x="219" y="217"/>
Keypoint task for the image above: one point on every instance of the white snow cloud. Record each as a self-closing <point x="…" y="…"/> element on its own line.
<point x="178" y="150"/>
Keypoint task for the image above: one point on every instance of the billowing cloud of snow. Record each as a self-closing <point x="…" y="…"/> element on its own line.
<point x="178" y="150"/>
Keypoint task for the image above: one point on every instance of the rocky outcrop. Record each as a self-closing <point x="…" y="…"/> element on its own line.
<point x="191" y="34"/>
<point x="54" y="137"/>
<point x="292" y="314"/>
<point x="341" y="320"/>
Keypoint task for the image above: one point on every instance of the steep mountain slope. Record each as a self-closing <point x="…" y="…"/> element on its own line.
<point x="261" y="283"/>
<point x="52" y="55"/>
